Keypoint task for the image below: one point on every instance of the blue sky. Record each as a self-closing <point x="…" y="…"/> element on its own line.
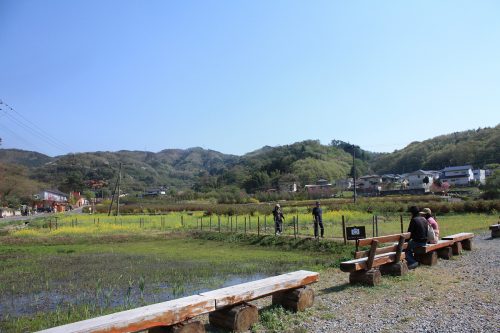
<point x="234" y="76"/>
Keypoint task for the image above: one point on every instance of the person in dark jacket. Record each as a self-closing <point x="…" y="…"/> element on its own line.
<point x="318" y="220"/>
<point x="278" y="220"/>
<point x="418" y="229"/>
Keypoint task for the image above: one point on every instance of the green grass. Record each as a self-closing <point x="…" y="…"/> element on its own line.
<point x="55" y="284"/>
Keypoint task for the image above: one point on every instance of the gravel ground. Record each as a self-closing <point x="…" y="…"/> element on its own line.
<point x="457" y="295"/>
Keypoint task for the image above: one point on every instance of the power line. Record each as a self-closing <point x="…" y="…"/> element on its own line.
<point x="31" y="128"/>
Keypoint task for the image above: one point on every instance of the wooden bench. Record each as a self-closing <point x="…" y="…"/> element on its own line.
<point x="495" y="230"/>
<point x="427" y="255"/>
<point x="227" y="308"/>
<point x="368" y="265"/>
<point x="461" y="241"/>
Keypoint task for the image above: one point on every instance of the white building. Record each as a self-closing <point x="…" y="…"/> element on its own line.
<point x="479" y="176"/>
<point x="52" y="195"/>
<point x="458" y="175"/>
<point x="420" y="179"/>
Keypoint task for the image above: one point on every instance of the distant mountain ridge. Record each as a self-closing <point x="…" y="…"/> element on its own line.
<point x="206" y="170"/>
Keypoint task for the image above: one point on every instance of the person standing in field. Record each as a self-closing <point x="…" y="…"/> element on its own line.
<point x="278" y="219"/>
<point x="317" y="213"/>
<point x="418" y="228"/>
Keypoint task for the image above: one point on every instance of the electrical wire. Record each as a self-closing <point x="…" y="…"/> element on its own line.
<point x="31" y="128"/>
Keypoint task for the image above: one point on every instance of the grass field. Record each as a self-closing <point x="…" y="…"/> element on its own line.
<point x="90" y="265"/>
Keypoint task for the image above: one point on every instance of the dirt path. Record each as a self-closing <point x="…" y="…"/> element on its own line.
<point x="458" y="295"/>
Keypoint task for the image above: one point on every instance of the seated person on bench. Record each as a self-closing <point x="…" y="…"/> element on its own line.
<point x="427" y="213"/>
<point x="418" y="229"/>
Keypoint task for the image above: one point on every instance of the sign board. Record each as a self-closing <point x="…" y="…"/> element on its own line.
<point x="354" y="233"/>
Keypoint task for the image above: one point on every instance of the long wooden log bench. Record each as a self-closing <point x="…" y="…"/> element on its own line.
<point x="369" y="265"/>
<point x="227" y="308"/>
<point x="445" y="248"/>
<point x="495" y="230"/>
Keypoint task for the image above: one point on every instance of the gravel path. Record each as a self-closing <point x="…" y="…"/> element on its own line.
<point x="457" y="295"/>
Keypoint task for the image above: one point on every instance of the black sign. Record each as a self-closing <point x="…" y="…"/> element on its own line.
<point x="354" y="233"/>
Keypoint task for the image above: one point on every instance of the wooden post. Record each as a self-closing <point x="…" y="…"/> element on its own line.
<point x="238" y="318"/>
<point x="296" y="299"/>
<point x="294" y="229"/>
<point x="371" y="257"/>
<point x="400" y="248"/>
<point x="210" y="223"/>
<point x="401" y="222"/>
<point x="376" y="224"/>
<point x="249" y="223"/>
<point x="236" y="222"/>
<point x="50" y="225"/>
<point x="231" y="224"/>
<point x="373" y="226"/>
<point x="201" y="223"/>
<point x="265" y="223"/>
<point x="258" y="225"/>
<point x="343" y="230"/>
<point x="219" y="222"/>
<point x="245" y="225"/>
<point x="182" y="220"/>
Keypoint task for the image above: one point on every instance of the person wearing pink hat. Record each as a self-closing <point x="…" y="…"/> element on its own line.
<point x="427" y="213"/>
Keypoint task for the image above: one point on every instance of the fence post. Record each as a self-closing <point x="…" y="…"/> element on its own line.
<point x="294" y="228"/>
<point x="231" y="223"/>
<point x="236" y="223"/>
<point x="258" y="225"/>
<point x="343" y="230"/>
<point x="265" y="223"/>
<point x="401" y="221"/>
<point x="56" y="222"/>
<point x="50" y="224"/>
<point x="245" y="225"/>
<point x="218" y="217"/>
<point x="376" y="224"/>
<point x="182" y="220"/>
<point x="249" y="223"/>
<point x="210" y="223"/>
<point x="373" y="226"/>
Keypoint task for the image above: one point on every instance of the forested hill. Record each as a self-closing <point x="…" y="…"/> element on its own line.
<point x="195" y="168"/>
<point x="269" y="167"/>
<point x="475" y="147"/>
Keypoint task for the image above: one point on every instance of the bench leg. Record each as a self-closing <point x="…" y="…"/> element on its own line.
<point x="467" y="244"/>
<point x="457" y="248"/>
<point x="395" y="269"/>
<point x="373" y="277"/>
<point x="445" y="253"/>
<point x="191" y="327"/>
<point x="238" y="318"/>
<point x="495" y="233"/>
<point x="429" y="259"/>
<point x="295" y="300"/>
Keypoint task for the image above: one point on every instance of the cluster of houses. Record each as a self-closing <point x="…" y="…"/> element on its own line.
<point x="48" y="201"/>
<point x="417" y="182"/>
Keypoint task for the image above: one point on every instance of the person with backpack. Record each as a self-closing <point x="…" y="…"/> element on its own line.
<point x="427" y="213"/>
<point x="317" y="213"/>
<point x="278" y="219"/>
<point x="418" y="228"/>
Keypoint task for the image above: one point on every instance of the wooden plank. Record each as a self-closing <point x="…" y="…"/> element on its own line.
<point x="433" y="247"/>
<point x="159" y="314"/>
<point x="459" y="237"/>
<point x="361" y="264"/>
<point x="495" y="227"/>
<point x="381" y="250"/>
<point x="383" y="239"/>
<point x="257" y="289"/>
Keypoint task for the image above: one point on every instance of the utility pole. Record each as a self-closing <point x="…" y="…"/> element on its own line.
<point x="119" y="183"/>
<point x="117" y="187"/>
<point x="354" y="170"/>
